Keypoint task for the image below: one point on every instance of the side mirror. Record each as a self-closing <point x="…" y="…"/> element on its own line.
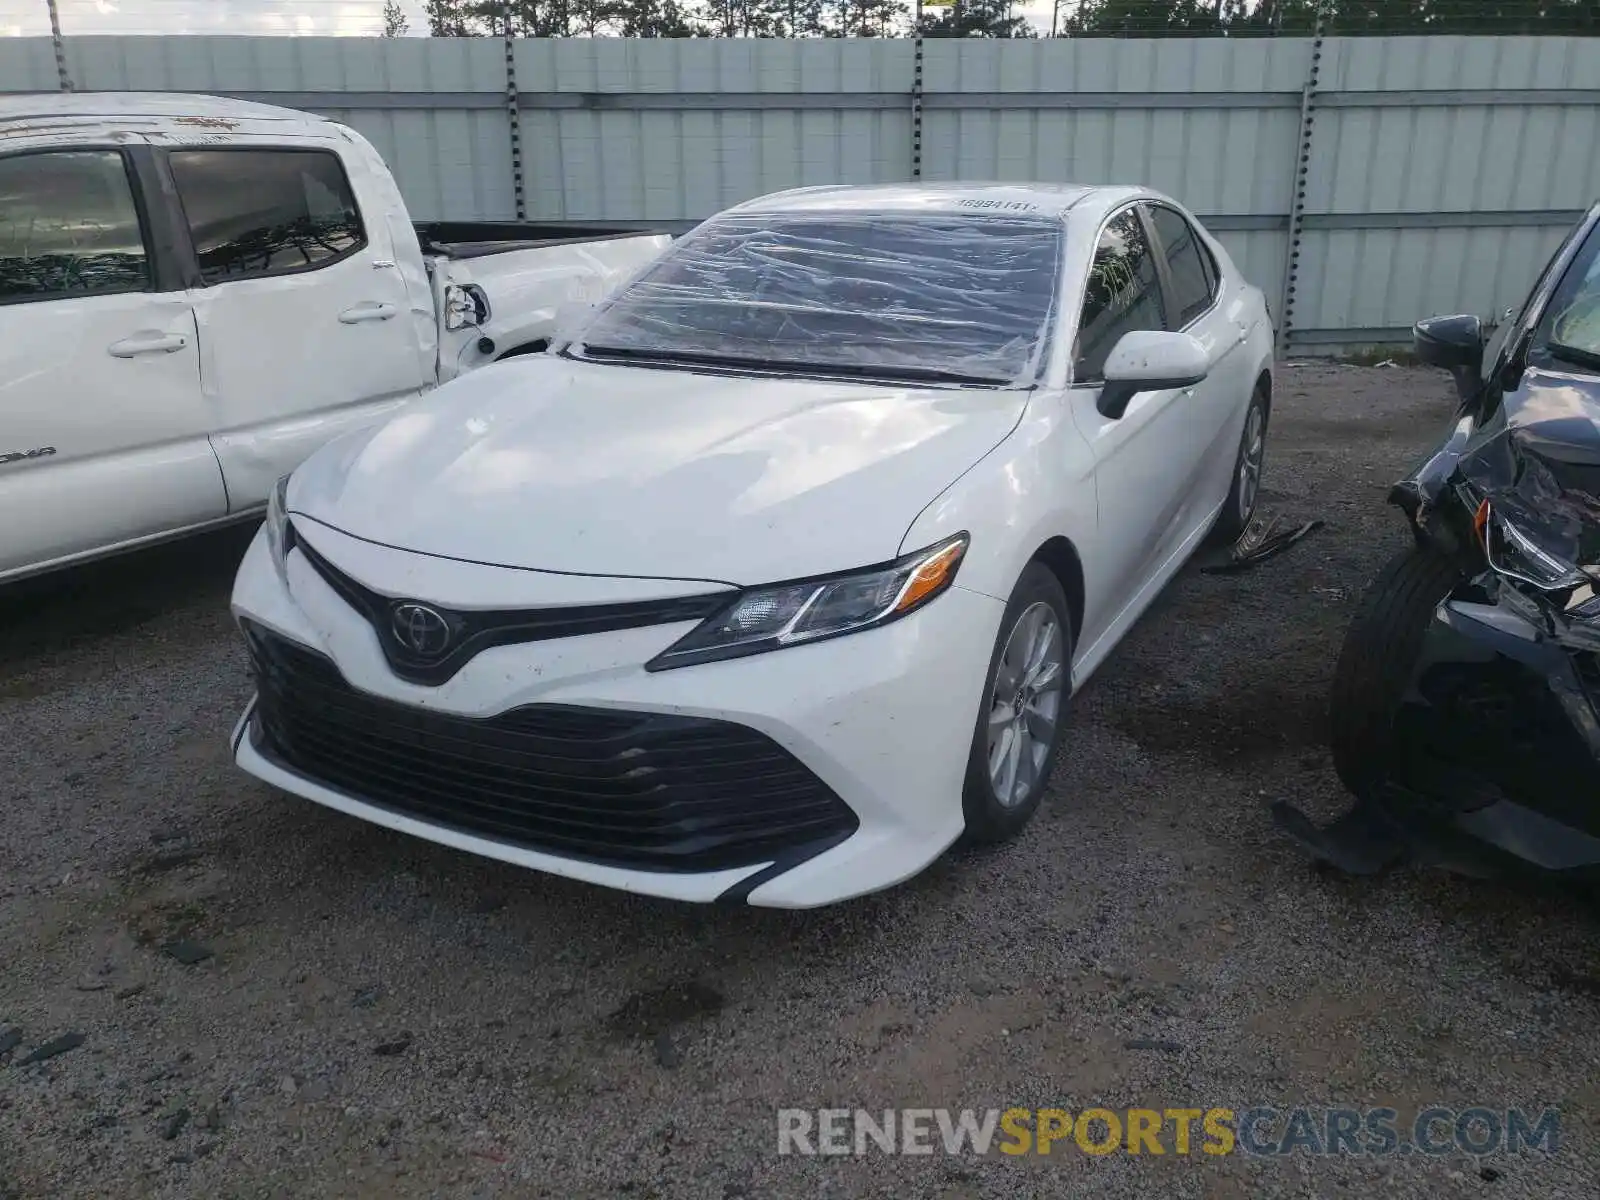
<point x="466" y="306"/>
<point x="1149" y="360"/>
<point x="1454" y="343"/>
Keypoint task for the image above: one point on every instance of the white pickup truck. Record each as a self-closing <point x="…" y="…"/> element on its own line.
<point x="196" y="293"/>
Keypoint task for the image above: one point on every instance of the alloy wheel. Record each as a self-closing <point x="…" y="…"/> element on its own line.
<point x="1025" y="706"/>
<point x="1251" y="453"/>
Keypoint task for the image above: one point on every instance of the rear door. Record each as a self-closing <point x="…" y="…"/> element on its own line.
<point x="304" y="318"/>
<point x="102" y="421"/>
<point x="1196" y="304"/>
<point x="1144" y="458"/>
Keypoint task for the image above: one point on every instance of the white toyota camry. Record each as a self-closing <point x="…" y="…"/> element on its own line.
<point x="777" y="577"/>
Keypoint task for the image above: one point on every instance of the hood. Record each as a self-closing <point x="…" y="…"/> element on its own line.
<point x="551" y="464"/>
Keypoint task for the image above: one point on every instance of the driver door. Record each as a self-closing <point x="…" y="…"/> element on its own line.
<point x="1146" y="458"/>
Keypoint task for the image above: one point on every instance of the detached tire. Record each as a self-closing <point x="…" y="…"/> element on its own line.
<point x="1380" y="652"/>
<point x="1023" y="712"/>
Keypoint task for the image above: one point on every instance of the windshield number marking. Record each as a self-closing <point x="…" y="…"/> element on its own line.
<point x="1004" y="205"/>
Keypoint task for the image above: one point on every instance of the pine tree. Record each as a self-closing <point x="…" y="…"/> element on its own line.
<point x="978" y="18"/>
<point x="487" y="18"/>
<point x="655" y="19"/>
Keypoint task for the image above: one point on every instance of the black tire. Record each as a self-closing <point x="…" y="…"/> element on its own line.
<point x="1377" y="659"/>
<point x="987" y="819"/>
<point x="1235" y="515"/>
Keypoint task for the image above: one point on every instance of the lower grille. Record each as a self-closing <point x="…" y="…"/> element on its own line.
<point x="642" y="790"/>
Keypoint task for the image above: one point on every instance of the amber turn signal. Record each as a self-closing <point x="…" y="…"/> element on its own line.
<point x="931" y="575"/>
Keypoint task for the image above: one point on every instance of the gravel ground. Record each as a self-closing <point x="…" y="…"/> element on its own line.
<point x="383" y="1017"/>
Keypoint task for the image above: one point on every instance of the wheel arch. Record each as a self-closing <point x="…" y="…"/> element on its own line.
<point x="535" y="346"/>
<point x="1264" y="385"/>
<point x="1061" y="557"/>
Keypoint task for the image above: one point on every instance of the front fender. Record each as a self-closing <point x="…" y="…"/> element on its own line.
<point x="1424" y="494"/>
<point x="1431" y="516"/>
<point x="1036" y="485"/>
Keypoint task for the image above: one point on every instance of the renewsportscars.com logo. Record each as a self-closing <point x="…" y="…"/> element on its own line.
<point x="1259" y="1132"/>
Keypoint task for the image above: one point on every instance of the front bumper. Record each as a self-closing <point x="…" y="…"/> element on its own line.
<point x="882" y="721"/>
<point x="1497" y="754"/>
<point x="1499" y="735"/>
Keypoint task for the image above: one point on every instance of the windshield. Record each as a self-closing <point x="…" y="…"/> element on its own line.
<point x="1569" y="332"/>
<point x="953" y="296"/>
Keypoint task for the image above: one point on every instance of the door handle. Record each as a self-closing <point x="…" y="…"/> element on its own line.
<point x="147" y="343"/>
<point x="369" y="311"/>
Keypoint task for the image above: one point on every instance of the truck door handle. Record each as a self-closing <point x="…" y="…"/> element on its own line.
<point x="147" y="343"/>
<point x="368" y="311"/>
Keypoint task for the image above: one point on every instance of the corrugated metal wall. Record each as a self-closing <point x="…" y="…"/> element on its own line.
<point x="1214" y="123"/>
<point x="1441" y="171"/>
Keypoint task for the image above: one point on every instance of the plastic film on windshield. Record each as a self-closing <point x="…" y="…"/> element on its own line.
<point x="955" y="296"/>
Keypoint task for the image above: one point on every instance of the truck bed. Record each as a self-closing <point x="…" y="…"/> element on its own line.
<point x="474" y="239"/>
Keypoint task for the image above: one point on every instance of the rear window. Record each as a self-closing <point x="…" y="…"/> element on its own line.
<point x="266" y="212"/>
<point x="936" y="296"/>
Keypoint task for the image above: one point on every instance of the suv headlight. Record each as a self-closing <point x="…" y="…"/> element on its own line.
<point x="280" y="536"/>
<point x="810" y="610"/>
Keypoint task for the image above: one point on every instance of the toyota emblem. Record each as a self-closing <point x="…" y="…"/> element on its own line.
<point x="420" y="629"/>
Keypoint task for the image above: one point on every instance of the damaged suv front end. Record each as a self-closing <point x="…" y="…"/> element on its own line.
<point x="1463" y="714"/>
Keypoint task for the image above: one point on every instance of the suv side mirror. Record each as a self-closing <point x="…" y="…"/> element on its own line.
<point x="1148" y="360"/>
<point x="1454" y="343"/>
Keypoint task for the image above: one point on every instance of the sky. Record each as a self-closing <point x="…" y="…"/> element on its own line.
<point x="358" y="18"/>
<point x="269" y="17"/>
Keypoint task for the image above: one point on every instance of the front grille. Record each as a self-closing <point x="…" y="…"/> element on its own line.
<point x="472" y="632"/>
<point x="643" y="790"/>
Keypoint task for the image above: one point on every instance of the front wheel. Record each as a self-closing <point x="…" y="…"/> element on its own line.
<point x="1380" y="652"/>
<point x="1024" y="710"/>
<point x="1241" y="503"/>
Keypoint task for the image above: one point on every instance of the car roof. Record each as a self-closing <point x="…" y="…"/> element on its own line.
<point x="114" y="108"/>
<point x="1047" y="199"/>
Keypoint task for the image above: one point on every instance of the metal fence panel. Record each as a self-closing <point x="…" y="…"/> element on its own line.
<point x="1439" y="171"/>
<point x="449" y="156"/>
<point x="1464" y="158"/>
<point x="675" y="128"/>
<point x="27" y="65"/>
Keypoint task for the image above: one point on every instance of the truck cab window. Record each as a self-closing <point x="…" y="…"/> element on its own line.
<point x="68" y="227"/>
<point x="255" y="213"/>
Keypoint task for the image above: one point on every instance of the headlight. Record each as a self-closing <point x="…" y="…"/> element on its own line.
<point x="280" y="537"/>
<point x="792" y="614"/>
<point x="1516" y="554"/>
